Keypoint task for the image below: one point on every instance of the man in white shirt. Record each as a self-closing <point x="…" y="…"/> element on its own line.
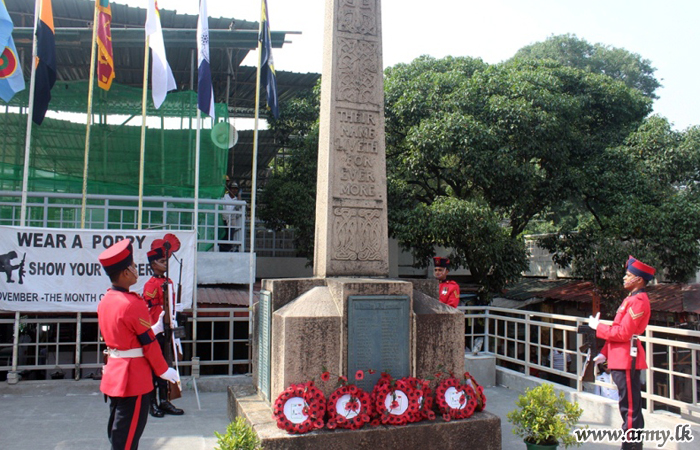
<point x="605" y="377"/>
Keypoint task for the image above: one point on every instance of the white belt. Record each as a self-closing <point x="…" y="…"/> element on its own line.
<point x="131" y="353"/>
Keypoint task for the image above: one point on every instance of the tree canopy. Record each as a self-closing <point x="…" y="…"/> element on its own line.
<point x="559" y="137"/>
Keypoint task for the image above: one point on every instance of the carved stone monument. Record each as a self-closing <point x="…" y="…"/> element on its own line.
<point x="350" y="316"/>
<point x="351" y="211"/>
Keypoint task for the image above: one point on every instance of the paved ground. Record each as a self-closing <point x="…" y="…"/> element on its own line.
<point x="71" y="415"/>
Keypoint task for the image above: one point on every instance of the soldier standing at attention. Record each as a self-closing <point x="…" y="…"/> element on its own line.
<point x="132" y="351"/>
<point x="449" y="290"/>
<point x="153" y="295"/>
<point x="623" y="351"/>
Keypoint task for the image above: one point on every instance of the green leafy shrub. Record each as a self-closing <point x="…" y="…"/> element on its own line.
<point x="545" y="418"/>
<point x="239" y="436"/>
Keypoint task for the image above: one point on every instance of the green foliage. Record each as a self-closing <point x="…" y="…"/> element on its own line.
<point x="616" y="63"/>
<point x="543" y="417"/>
<point x="555" y="140"/>
<point x="239" y="436"/>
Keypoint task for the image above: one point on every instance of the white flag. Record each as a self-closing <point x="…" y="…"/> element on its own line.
<point x="162" y="79"/>
<point x="205" y="91"/>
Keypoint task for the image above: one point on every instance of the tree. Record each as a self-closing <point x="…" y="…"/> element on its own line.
<point x="616" y="63"/>
<point x="289" y="197"/>
<point x="502" y="143"/>
<point x="645" y="201"/>
<point x="475" y="152"/>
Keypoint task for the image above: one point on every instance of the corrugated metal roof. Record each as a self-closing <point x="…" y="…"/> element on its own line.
<point x="664" y="297"/>
<point x="229" y="295"/>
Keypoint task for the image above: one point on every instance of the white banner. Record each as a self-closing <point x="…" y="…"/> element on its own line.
<point x="57" y="270"/>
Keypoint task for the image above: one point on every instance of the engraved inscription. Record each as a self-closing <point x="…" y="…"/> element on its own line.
<point x="378" y="336"/>
<point x="358" y="235"/>
<point x="358" y="16"/>
<point x="358" y="71"/>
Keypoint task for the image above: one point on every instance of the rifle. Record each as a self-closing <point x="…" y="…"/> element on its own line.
<point x="590" y="346"/>
<point x="174" y="389"/>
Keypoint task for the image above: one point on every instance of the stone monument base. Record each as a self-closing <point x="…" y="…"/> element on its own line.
<point x="483" y="430"/>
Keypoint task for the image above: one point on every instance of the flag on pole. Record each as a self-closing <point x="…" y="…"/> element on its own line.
<point x="11" y="78"/>
<point x="45" y="76"/>
<point x="105" y="58"/>
<point x="205" y="91"/>
<point x="162" y="79"/>
<point x="267" y="66"/>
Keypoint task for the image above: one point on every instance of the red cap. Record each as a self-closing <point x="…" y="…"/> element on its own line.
<point x="154" y="254"/>
<point x="441" y="262"/>
<point x="117" y="257"/>
<point x="640" y="269"/>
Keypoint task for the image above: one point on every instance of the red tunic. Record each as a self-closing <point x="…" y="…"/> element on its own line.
<point x="153" y="295"/>
<point x="449" y="293"/>
<point x="632" y="318"/>
<point x="123" y="317"/>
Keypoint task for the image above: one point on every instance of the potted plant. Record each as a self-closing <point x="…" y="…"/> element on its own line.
<point x="544" y="419"/>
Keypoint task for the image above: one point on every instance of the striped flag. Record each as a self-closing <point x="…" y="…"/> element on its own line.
<point x="162" y="79"/>
<point x="105" y="60"/>
<point x="45" y="76"/>
<point x="11" y="78"/>
<point x="267" y="66"/>
<point x="205" y="91"/>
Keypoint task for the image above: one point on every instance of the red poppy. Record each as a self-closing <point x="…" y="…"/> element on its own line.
<point x="342" y="380"/>
<point x="446" y="417"/>
<point x="372" y="372"/>
<point x="331" y="424"/>
<point x="359" y="375"/>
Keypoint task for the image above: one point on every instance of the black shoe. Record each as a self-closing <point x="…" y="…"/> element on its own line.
<point x="154" y="411"/>
<point x="168" y="408"/>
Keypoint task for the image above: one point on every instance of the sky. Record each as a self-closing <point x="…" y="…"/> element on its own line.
<point x="662" y="31"/>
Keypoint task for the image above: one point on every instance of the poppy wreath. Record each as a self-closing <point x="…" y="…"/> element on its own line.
<point x="425" y="399"/>
<point x="478" y="390"/>
<point x="455" y="400"/>
<point x="349" y="407"/>
<point x="300" y="408"/>
<point x="396" y="403"/>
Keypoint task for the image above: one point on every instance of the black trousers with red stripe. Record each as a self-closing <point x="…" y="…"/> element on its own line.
<point x="629" y="385"/>
<point x="127" y="420"/>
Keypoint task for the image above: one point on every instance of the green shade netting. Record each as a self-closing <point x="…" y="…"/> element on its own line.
<point x="58" y="146"/>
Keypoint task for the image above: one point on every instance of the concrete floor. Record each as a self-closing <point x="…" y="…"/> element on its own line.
<point x="67" y="414"/>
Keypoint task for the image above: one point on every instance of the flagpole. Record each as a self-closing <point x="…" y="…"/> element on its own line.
<point x="143" y="133"/>
<point x="30" y="111"/>
<point x="89" y="117"/>
<point x="254" y="177"/>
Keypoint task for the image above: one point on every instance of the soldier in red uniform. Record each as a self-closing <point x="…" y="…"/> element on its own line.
<point x="449" y="290"/>
<point x="132" y="351"/>
<point x="153" y="295"/>
<point x="623" y="351"/>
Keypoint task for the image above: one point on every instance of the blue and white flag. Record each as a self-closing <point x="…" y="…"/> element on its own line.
<point x="11" y="77"/>
<point x="205" y="91"/>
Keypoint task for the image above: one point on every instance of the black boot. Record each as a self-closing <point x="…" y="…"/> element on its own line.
<point x="168" y="408"/>
<point x="154" y="410"/>
<point x="165" y="406"/>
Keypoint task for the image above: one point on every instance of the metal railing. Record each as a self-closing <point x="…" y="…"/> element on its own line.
<point x="69" y="346"/>
<point x="49" y="210"/>
<point x="524" y="340"/>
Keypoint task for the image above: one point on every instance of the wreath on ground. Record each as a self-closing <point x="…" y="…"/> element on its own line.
<point x="478" y="390"/>
<point x="396" y="402"/>
<point x="454" y="399"/>
<point x="300" y="408"/>
<point x="349" y="407"/>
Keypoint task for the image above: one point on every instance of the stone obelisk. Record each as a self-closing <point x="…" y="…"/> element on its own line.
<point x="351" y="209"/>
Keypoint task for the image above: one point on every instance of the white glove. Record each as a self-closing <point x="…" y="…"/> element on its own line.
<point x="593" y="322"/>
<point x="158" y="327"/>
<point x="600" y="358"/>
<point x="171" y="375"/>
